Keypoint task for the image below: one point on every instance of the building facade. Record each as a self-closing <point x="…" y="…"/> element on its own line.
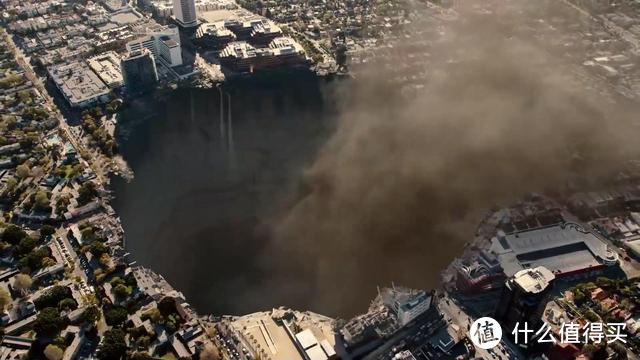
<point x="184" y="12"/>
<point x="524" y="297"/>
<point x="139" y="72"/>
<point x="170" y="51"/>
<point x="163" y="43"/>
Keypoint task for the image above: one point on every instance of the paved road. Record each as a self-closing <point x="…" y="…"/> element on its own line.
<point x="452" y="311"/>
<point x="65" y="131"/>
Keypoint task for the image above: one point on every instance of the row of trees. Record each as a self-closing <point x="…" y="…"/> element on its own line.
<point x="99" y="136"/>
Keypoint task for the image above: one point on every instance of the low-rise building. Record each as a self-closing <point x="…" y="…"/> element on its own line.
<point x="566" y="249"/>
<point x="107" y="67"/>
<point x="79" y="85"/>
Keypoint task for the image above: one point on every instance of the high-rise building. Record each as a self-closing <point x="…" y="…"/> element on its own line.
<point x="524" y="298"/>
<point x="163" y="42"/>
<point x="139" y="72"/>
<point x="184" y="12"/>
<point x="170" y="51"/>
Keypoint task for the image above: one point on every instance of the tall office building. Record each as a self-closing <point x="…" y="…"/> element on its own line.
<point x="524" y="298"/>
<point x="139" y="72"/>
<point x="185" y="12"/>
<point x="163" y="42"/>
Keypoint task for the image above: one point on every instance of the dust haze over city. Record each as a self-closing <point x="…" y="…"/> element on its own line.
<point x="402" y="180"/>
<point x="402" y="184"/>
<point x="320" y="179"/>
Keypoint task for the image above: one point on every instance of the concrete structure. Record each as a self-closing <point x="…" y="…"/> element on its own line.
<point x="184" y="11"/>
<point x="139" y="72"/>
<point x="406" y="304"/>
<point x="481" y="273"/>
<point x="170" y="51"/>
<point x="272" y="335"/>
<point x="565" y="249"/>
<point x="214" y="35"/>
<point x="256" y="30"/>
<point x="524" y="297"/>
<point x="314" y="349"/>
<point x="243" y="57"/>
<point x="163" y="42"/>
<point x="107" y="67"/>
<point x="79" y="85"/>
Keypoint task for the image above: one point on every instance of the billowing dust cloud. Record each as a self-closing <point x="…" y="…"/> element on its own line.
<point x="405" y="179"/>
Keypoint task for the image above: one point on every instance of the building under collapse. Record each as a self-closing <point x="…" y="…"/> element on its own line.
<point x="393" y="309"/>
<point x="243" y="57"/>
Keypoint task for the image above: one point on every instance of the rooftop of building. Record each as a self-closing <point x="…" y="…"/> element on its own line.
<point x="563" y="248"/>
<point x="134" y="54"/>
<point x="284" y="45"/>
<point x="78" y="82"/>
<point x="533" y="280"/>
<point x="169" y="42"/>
<point x="403" y="298"/>
<point x="107" y="67"/>
<point x="270" y="336"/>
<point x="278" y="46"/>
<point x="216" y="29"/>
<point x="264" y="26"/>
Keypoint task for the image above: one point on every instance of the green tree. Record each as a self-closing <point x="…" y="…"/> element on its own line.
<point x="46" y="231"/>
<point x="22" y="282"/>
<point x="589" y="350"/>
<point x="619" y="349"/>
<point x="122" y="291"/>
<point x="48" y="322"/>
<point x="53" y="296"/>
<point x="154" y="315"/>
<point x="47" y="261"/>
<point x="11" y="184"/>
<point x="605" y="282"/>
<point x="113" y="346"/>
<point x="167" y="306"/>
<point x="67" y="304"/>
<point x="97" y="248"/>
<point x="579" y="297"/>
<point x="23" y="171"/>
<point x="116" y="316"/>
<point x="591" y="316"/>
<point x="5" y="299"/>
<point x="41" y="201"/>
<point x="12" y="234"/>
<point x="140" y="356"/>
<point x="210" y="352"/>
<point x="25" y="246"/>
<point x="52" y="352"/>
<point x="33" y="260"/>
<point x="87" y="192"/>
<point x="91" y="314"/>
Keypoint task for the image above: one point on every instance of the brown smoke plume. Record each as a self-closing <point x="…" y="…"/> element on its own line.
<point x="404" y="180"/>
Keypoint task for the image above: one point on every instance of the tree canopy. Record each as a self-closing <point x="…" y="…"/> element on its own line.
<point x="53" y="352"/>
<point x="22" y="282"/>
<point x="12" y="234"/>
<point x="5" y="298"/>
<point x="116" y="316"/>
<point x="48" y="322"/>
<point x="113" y="346"/>
<point x="52" y="297"/>
<point x="46" y="231"/>
<point x="87" y="192"/>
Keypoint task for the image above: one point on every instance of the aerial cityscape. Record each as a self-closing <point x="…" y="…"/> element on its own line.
<point x="319" y="180"/>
